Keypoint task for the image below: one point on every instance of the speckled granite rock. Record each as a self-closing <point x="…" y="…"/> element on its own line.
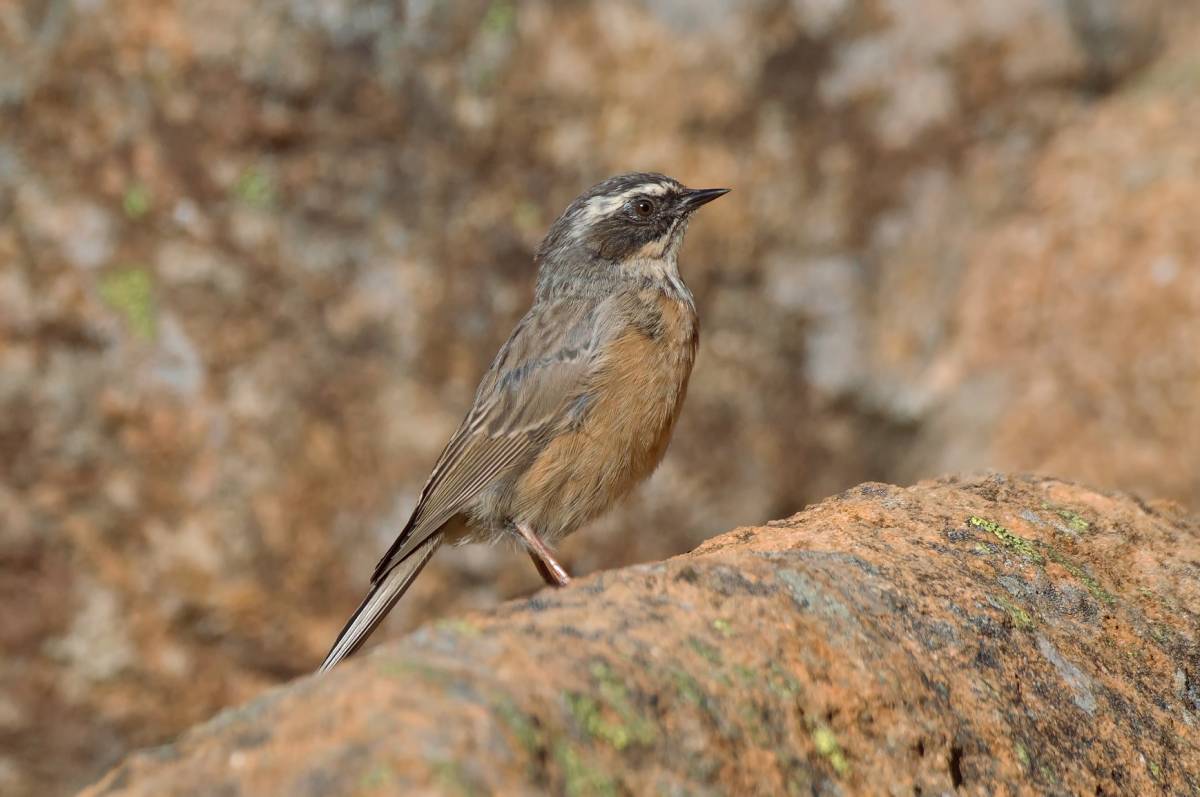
<point x="254" y="257"/>
<point x="996" y="635"/>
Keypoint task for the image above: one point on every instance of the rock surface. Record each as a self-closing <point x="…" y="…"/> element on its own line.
<point x="254" y="256"/>
<point x="997" y="635"/>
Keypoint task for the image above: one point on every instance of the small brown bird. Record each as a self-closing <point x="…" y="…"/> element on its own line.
<point x="578" y="405"/>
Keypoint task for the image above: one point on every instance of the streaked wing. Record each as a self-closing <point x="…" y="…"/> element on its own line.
<point x="529" y="389"/>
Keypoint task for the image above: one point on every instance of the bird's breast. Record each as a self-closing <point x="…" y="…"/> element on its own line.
<point x="642" y="380"/>
<point x="633" y="400"/>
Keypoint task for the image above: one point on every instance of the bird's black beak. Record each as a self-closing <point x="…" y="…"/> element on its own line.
<point x="695" y="197"/>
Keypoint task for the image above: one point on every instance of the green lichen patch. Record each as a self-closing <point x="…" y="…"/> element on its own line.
<point x="706" y="651"/>
<point x="1019" y="617"/>
<point x="500" y="18"/>
<point x="408" y="668"/>
<point x="527" y="732"/>
<point x="1029" y="549"/>
<point x="747" y="675"/>
<point x="580" y="778"/>
<point x="255" y="189"/>
<point x="688" y="687"/>
<point x="611" y="715"/>
<point x="130" y="292"/>
<point x="781" y="682"/>
<point x="1009" y="540"/>
<point x="136" y="201"/>
<point x="797" y="786"/>
<point x="1093" y="586"/>
<point x="1022" y="755"/>
<point x="1074" y="520"/>
<point x="378" y="777"/>
<point x="451" y="778"/>
<point x="590" y="718"/>
<point x="827" y="745"/>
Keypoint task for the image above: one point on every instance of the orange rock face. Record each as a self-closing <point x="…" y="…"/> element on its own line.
<point x="998" y="635"/>
<point x="255" y="256"/>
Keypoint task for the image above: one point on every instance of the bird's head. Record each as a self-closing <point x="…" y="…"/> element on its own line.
<point x="627" y="225"/>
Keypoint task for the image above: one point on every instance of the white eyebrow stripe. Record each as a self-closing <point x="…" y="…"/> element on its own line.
<point x="600" y="206"/>
<point x="653" y="189"/>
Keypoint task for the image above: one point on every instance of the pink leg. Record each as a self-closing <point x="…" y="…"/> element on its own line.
<point x="552" y="572"/>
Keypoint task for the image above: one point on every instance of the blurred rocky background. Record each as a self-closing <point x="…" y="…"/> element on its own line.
<point x="254" y="257"/>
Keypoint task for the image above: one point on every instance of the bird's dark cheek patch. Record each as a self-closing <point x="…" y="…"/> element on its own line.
<point x="618" y="238"/>
<point x="617" y="241"/>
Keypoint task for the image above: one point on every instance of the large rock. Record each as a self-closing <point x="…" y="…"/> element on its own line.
<point x="1061" y="335"/>
<point x="996" y="635"/>
<point x="253" y="257"/>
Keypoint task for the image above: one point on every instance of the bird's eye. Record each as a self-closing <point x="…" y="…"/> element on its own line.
<point x="643" y="207"/>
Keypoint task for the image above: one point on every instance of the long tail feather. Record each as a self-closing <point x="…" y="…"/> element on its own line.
<point x="379" y="602"/>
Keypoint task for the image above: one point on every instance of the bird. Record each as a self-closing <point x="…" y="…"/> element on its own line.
<point x="578" y="405"/>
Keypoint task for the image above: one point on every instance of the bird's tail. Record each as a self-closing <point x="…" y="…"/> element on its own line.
<point x="379" y="602"/>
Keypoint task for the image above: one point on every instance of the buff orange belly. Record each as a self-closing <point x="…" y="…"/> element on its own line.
<point x="621" y="439"/>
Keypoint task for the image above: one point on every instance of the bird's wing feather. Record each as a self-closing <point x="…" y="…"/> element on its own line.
<point x="527" y="392"/>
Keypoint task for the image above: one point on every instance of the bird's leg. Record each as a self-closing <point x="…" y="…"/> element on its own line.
<point x="543" y="571"/>
<point x="552" y="572"/>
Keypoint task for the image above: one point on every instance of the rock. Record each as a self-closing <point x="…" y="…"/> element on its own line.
<point x="254" y="257"/>
<point x="975" y="636"/>
<point x="1065" y="333"/>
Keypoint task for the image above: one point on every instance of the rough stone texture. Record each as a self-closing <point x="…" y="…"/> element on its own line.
<point x="996" y="635"/>
<point x="254" y="256"/>
<point x="1073" y="316"/>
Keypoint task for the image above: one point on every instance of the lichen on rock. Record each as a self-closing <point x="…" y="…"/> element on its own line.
<point x="885" y="639"/>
